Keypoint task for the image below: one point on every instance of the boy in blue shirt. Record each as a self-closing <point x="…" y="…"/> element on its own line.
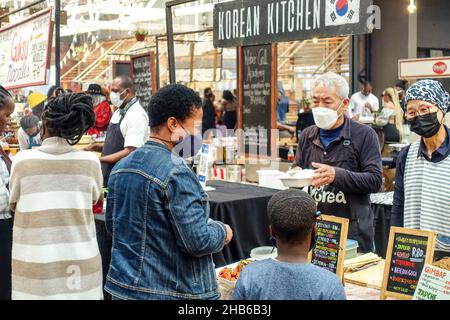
<point x="292" y="217"/>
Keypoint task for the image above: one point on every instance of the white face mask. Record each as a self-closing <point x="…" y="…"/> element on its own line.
<point x="115" y="98"/>
<point x="325" y="118"/>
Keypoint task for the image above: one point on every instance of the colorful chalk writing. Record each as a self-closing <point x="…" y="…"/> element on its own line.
<point x="407" y="261"/>
<point x="326" y="251"/>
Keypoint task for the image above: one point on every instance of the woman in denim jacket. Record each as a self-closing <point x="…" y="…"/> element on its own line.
<point x="158" y="214"/>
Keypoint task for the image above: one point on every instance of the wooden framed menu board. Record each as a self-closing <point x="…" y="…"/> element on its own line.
<point x="258" y="96"/>
<point x="407" y="253"/>
<point x="143" y="75"/>
<point x="329" y="251"/>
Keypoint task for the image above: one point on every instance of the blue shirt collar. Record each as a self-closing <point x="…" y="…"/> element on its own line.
<point x="440" y="154"/>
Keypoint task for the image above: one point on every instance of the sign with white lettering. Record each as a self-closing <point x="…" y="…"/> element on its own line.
<point x="248" y="22"/>
<point x="143" y="75"/>
<point x="258" y="98"/>
<point x="434" y="284"/>
<point x="25" y="51"/>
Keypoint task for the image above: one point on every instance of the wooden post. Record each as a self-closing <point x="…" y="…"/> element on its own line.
<point x="215" y="65"/>
<point x="191" y="64"/>
<point x="153" y="71"/>
<point x="274" y="102"/>
<point x="240" y="86"/>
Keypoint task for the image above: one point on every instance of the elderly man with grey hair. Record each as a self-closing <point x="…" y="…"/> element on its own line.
<point x="346" y="157"/>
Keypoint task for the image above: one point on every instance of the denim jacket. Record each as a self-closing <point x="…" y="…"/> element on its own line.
<point x="162" y="237"/>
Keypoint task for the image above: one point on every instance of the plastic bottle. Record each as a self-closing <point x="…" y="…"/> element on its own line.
<point x="291" y="154"/>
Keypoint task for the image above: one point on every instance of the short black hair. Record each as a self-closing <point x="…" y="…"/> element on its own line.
<point x="174" y="100"/>
<point x="367" y="83"/>
<point x="54" y="89"/>
<point x="69" y="116"/>
<point x="5" y="97"/>
<point x="292" y="214"/>
<point x="29" y="121"/>
<point x="402" y="84"/>
<point x="206" y="91"/>
<point x="125" y="82"/>
<point x="227" y="95"/>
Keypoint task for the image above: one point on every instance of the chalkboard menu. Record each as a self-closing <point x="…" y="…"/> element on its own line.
<point x="329" y="251"/>
<point x="408" y="252"/>
<point x="142" y="72"/>
<point x="121" y="68"/>
<point x="257" y="99"/>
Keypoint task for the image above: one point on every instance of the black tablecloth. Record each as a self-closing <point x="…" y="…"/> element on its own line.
<point x="244" y="208"/>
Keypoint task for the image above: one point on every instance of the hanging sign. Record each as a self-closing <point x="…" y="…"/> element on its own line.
<point x="249" y="22"/>
<point x="424" y="68"/>
<point x="25" y="51"/>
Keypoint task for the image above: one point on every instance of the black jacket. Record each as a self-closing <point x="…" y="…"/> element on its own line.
<point x="208" y="116"/>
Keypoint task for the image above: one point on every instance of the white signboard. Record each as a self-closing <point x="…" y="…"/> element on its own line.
<point x="204" y="168"/>
<point x="424" y="68"/>
<point x="434" y="284"/>
<point x="25" y="51"/>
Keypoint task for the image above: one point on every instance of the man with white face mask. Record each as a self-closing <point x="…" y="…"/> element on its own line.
<point x="346" y="157"/>
<point x="128" y="129"/>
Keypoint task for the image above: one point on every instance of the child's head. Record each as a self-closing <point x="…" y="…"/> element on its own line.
<point x="292" y="216"/>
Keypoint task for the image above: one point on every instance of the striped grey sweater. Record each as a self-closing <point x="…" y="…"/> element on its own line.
<point x="55" y="253"/>
<point x="427" y="195"/>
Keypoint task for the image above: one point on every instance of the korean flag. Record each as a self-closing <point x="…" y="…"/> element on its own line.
<point x="341" y="12"/>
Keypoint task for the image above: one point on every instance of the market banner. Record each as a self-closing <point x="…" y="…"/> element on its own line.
<point x="249" y="22"/>
<point x="25" y="51"/>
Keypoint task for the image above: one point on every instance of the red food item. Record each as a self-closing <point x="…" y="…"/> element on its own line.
<point x="98" y="207"/>
<point x="232" y="274"/>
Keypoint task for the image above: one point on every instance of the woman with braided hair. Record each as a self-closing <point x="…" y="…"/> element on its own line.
<point x="6" y="221"/>
<point x="55" y="253"/>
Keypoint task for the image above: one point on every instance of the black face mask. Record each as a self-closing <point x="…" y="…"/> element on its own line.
<point x="425" y="126"/>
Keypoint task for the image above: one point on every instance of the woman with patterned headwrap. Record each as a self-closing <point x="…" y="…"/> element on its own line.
<point x="422" y="183"/>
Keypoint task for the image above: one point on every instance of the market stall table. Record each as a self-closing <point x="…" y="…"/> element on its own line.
<point x="244" y="208"/>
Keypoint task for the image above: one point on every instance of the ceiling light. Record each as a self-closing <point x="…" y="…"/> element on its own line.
<point x="412" y="7"/>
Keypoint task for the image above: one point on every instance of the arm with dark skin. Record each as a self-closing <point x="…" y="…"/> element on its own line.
<point x="116" y="157"/>
<point x="95" y="147"/>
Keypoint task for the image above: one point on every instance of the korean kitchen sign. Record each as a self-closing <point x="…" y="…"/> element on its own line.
<point x="25" y="51"/>
<point x="249" y="22"/>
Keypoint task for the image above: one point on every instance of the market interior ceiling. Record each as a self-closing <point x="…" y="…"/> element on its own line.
<point x="103" y="30"/>
<point x="119" y="18"/>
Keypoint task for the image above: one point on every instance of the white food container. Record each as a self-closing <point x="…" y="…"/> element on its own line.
<point x="297" y="178"/>
<point x="271" y="179"/>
